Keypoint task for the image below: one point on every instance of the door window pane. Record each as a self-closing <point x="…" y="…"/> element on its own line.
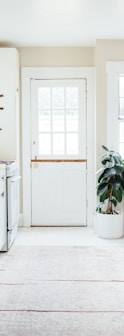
<point x="121" y="86"/>
<point x="44" y="98"/>
<point x="72" y="144"/>
<point x="44" y="121"/>
<point x="58" y="97"/>
<point x="121" y="109"/>
<point x="44" y="144"/>
<point x="58" y="121"/>
<point x="58" y="144"/>
<point x="121" y="116"/>
<point x="121" y="97"/>
<point x="72" y="98"/>
<point x="121" y="150"/>
<point x="72" y="120"/>
<point x="121" y="131"/>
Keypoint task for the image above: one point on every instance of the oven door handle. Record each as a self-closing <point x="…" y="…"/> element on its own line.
<point x="15" y="179"/>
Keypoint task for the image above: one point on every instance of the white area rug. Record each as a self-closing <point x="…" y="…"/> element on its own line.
<point x="62" y="291"/>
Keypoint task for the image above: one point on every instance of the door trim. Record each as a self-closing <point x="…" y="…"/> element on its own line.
<point x="27" y="74"/>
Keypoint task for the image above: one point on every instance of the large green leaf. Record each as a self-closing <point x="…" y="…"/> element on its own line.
<point x="114" y="201"/>
<point x="101" y="177"/>
<point x="102" y="187"/>
<point x="117" y="182"/>
<point x="109" y="172"/>
<point x="104" y="195"/>
<point x="117" y="194"/>
<point x="108" y="161"/>
<point x="122" y="184"/>
<point x="116" y="156"/>
<point x="119" y="169"/>
<point x="110" y="164"/>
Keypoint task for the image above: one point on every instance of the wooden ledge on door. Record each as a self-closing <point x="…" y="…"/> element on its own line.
<point x="59" y="160"/>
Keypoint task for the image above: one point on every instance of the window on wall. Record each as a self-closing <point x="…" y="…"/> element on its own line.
<point x="121" y="115"/>
<point x="115" y="106"/>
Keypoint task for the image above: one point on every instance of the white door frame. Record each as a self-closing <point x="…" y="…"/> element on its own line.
<point x="57" y="73"/>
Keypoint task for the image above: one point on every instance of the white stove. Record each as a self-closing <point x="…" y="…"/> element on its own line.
<point x="12" y="201"/>
<point x="11" y="167"/>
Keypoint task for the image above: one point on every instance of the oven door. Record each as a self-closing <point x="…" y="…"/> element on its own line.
<point x="12" y="207"/>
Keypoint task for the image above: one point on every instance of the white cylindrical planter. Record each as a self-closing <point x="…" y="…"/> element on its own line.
<point x="109" y="226"/>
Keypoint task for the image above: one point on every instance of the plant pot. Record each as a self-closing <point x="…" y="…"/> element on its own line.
<point x="109" y="226"/>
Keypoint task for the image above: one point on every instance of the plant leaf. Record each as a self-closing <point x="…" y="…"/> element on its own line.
<point x="108" y="161"/>
<point x="105" y="148"/>
<point x="108" y="172"/>
<point x="117" y="194"/>
<point x="114" y="201"/>
<point x="104" y="196"/>
<point x="111" y="177"/>
<point x="102" y="187"/>
<point x="116" y="156"/>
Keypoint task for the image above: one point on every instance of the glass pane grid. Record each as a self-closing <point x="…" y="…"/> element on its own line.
<point x="121" y="138"/>
<point x="44" y="98"/>
<point x="72" y="97"/>
<point x="121" y="98"/>
<point x="121" y="149"/>
<point x="58" y="121"/>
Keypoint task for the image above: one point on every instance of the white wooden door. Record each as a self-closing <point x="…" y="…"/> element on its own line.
<point x="58" y="152"/>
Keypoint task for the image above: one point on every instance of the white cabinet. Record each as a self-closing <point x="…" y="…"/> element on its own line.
<point x="3" y="228"/>
<point x="9" y="104"/>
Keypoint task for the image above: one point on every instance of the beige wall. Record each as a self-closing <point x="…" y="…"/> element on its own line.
<point x="56" y="56"/>
<point x="106" y="50"/>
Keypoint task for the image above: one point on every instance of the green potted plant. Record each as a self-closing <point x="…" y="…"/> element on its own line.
<point x="110" y="191"/>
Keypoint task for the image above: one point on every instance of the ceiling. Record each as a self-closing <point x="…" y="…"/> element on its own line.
<point x="60" y="22"/>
